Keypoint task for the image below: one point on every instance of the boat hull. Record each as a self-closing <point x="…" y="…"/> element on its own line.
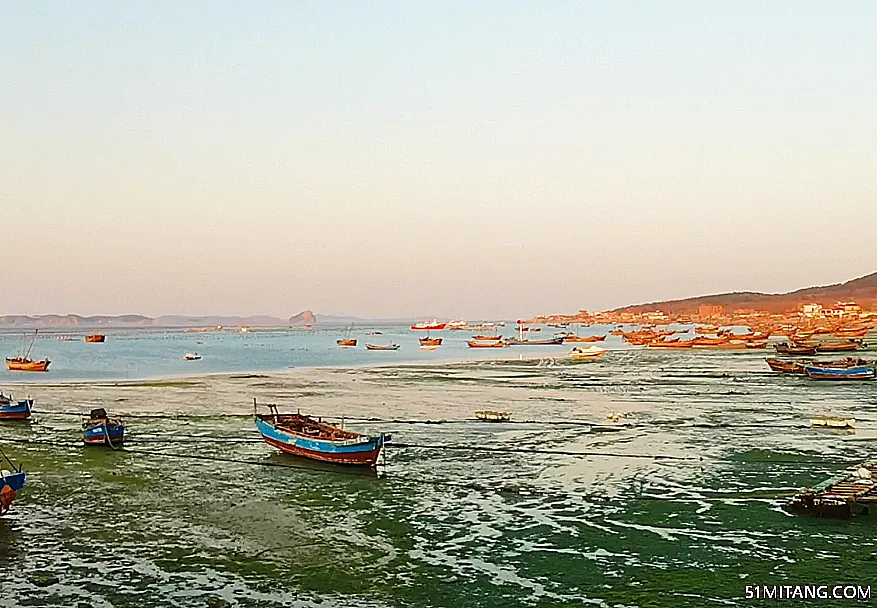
<point x="363" y="451"/>
<point x="859" y="372"/>
<point x="16" y="411"/>
<point x="380" y="347"/>
<point x="109" y="434"/>
<point x="492" y="344"/>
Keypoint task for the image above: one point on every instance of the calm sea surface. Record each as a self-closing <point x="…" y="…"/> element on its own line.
<point x="196" y="511"/>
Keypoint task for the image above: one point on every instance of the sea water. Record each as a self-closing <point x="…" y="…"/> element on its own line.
<point x="683" y="507"/>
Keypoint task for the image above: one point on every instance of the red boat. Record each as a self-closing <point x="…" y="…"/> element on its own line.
<point x="347" y="343"/>
<point x="431" y="341"/>
<point x="427" y="325"/>
<point x="96" y="338"/>
<point x="487" y="338"/>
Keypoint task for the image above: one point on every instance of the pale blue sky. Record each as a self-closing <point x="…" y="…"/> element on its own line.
<point x="392" y="159"/>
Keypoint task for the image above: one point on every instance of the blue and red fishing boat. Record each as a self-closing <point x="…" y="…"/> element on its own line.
<point x="11" y="483"/>
<point x="854" y="372"/>
<point x="15" y="410"/>
<point x="312" y="438"/>
<point x="100" y="429"/>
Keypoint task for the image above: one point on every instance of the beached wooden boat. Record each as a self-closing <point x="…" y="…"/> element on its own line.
<point x="493" y="416"/>
<point x="755" y="345"/>
<point x="833" y="422"/>
<point x="430" y="341"/>
<point x="95" y="338"/>
<point x="312" y="438"/>
<point x="785" y="348"/>
<point x="491" y="344"/>
<point x="12" y="480"/>
<point x="706" y="341"/>
<point x="348" y="343"/>
<point x="15" y="410"/>
<point x="587" y="354"/>
<point x="842" y="347"/>
<point x="853" y="493"/>
<point x="785" y="367"/>
<point x="674" y="343"/>
<point x="857" y="372"/>
<point x="486" y="338"/>
<point x="382" y="347"/>
<point x="101" y="429"/>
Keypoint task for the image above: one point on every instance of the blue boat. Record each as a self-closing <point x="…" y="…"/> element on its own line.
<point x="312" y="438"/>
<point x="11" y="483"/>
<point x="14" y="410"/>
<point x="854" y="372"/>
<point x="100" y="429"/>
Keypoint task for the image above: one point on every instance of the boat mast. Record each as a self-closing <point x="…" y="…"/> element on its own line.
<point x="34" y="339"/>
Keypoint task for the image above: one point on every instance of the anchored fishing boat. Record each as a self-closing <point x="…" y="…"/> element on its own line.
<point x="382" y="347"/>
<point x="483" y="338"/>
<point x="15" y="410"/>
<point x="191" y="357"/>
<point x="486" y="344"/>
<point x="430" y="342"/>
<point x="428" y="325"/>
<point x="575" y="338"/>
<point x="24" y="363"/>
<point x="785" y="348"/>
<point x="853" y="372"/>
<point x="95" y="338"/>
<point x="312" y="438"/>
<point x="347" y="341"/>
<point x="12" y="480"/>
<point x="100" y="429"/>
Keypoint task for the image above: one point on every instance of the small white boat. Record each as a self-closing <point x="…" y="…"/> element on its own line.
<point x="833" y="422"/>
<point x="586" y="354"/>
<point x="191" y="356"/>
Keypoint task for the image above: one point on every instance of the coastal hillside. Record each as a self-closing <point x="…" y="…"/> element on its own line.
<point x="862" y="290"/>
<point x="74" y="321"/>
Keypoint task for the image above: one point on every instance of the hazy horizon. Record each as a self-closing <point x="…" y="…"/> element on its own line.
<point x="396" y="161"/>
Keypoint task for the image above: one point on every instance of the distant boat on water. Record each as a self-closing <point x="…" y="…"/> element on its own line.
<point x="24" y="363"/>
<point x="427" y="341"/>
<point x="382" y="347"/>
<point x="428" y="325"/>
<point x="95" y="338"/>
<point x="191" y="357"/>
<point x="347" y="341"/>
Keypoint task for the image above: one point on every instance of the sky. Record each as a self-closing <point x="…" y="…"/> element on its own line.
<point x="412" y="159"/>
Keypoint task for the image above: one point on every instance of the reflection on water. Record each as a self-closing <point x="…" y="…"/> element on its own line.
<point x="150" y="527"/>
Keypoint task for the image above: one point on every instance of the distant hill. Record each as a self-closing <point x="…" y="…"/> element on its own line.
<point x="305" y="317"/>
<point x="862" y="290"/>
